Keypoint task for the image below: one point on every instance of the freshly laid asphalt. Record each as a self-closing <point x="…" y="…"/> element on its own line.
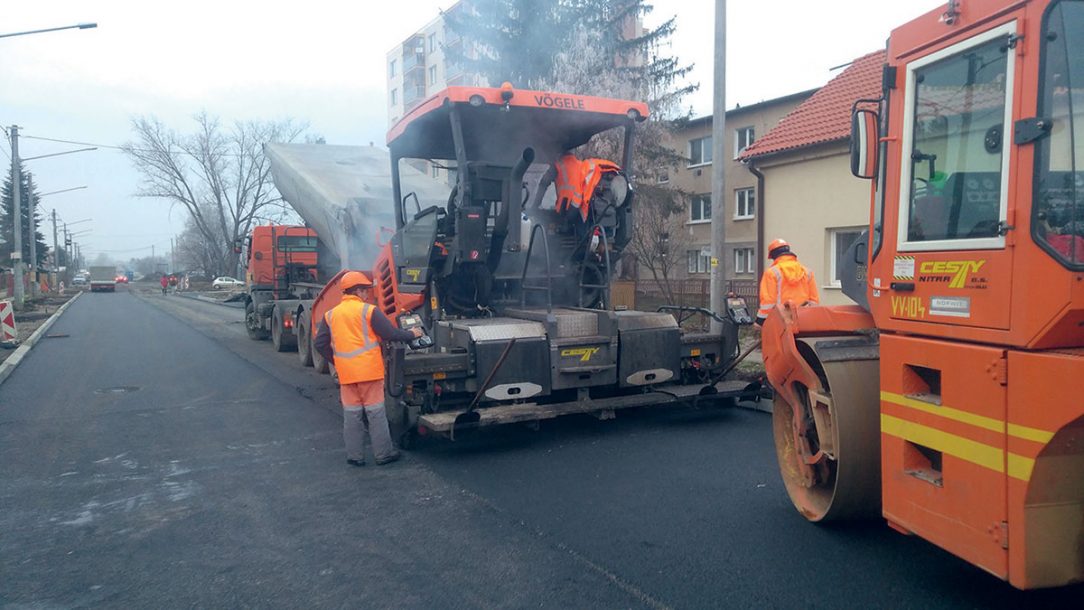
<point x="156" y="457"/>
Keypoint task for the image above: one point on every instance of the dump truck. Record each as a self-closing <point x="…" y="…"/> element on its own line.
<point x="947" y="400"/>
<point x="103" y="279"/>
<point x="513" y="288"/>
<point x="341" y="193"/>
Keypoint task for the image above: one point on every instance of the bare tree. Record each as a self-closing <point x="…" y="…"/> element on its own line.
<point x="659" y="243"/>
<point x="219" y="175"/>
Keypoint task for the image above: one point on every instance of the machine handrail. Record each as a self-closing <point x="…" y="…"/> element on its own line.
<point x="524" y="287"/>
<point x="606" y="279"/>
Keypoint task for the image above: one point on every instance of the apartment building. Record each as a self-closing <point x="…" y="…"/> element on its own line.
<point x="740" y="208"/>
<point x="420" y="66"/>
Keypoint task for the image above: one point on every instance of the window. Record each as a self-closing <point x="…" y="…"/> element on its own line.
<point x="700" y="208"/>
<point x="841" y="240"/>
<point x="698" y="261"/>
<point x="432" y="75"/>
<point x="745" y="203"/>
<point x="391" y="69"/>
<point x="700" y="151"/>
<point x="955" y="173"/>
<point x="432" y="42"/>
<point x="394" y="97"/>
<point x="297" y="243"/>
<point x="1059" y="157"/>
<point x="743" y="137"/>
<point x="745" y="260"/>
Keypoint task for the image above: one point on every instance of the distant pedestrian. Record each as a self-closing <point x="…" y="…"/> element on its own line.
<point x="164" y="282"/>
<point x="350" y="336"/>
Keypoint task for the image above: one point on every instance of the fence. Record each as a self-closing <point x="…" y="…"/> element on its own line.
<point x="695" y="292"/>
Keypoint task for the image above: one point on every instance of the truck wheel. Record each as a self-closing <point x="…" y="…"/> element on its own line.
<point x="253" y="325"/>
<point x="319" y="363"/>
<point x="304" y="340"/>
<point x="280" y="338"/>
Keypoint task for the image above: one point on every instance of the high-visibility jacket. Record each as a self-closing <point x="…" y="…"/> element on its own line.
<point x="577" y="180"/>
<point x="786" y="280"/>
<point x="356" y="346"/>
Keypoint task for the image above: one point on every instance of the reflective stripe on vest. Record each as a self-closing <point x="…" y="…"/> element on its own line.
<point x="354" y="342"/>
<point x="569" y="183"/>
<point x="778" y="286"/>
<point x="367" y="342"/>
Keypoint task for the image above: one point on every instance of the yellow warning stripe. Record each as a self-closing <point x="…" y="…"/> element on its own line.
<point x="963" y="448"/>
<point x="979" y="421"/>
<point x="1030" y="434"/>
<point x="1020" y="467"/>
<point x="981" y="454"/>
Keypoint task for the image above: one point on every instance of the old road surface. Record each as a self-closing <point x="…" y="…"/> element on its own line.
<point x="155" y="457"/>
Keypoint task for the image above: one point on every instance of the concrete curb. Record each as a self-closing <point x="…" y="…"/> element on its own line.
<point x="7" y="366"/>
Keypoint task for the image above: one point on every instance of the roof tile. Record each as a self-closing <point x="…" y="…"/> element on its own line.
<point x="826" y="116"/>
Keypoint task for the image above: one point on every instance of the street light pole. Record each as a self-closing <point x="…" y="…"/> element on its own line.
<point x="56" y="251"/>
<point x="17" y="213"/>
<point x="718" y="170"/>
<point x="32" y="234"/>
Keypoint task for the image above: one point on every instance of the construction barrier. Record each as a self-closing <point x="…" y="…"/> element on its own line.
<point x="7" y="322"/>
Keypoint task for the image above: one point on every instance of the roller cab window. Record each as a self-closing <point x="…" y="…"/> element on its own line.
<point x="956" y="166"/>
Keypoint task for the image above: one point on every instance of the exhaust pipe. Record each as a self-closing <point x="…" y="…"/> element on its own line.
<point x="510" y="197"/>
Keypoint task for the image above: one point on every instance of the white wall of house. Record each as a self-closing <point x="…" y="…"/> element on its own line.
<point x="812" y="201"/>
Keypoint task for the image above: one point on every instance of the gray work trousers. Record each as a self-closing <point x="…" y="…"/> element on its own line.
<point x="365" y="425"/>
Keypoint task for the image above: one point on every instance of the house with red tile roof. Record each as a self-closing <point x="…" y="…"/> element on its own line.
<point x="807" y="193"/>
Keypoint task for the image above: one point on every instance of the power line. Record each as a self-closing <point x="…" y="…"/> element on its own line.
<point x="115" y="147"/>
<point x="109" y="146"/>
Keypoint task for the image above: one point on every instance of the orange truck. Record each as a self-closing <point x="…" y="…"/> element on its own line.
<point x="281" y="282"/>
<point x="950" y="400"/>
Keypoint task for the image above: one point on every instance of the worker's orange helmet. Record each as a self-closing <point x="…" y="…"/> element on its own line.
<point x="778" y="247"/>
<point x="353" y="279"/>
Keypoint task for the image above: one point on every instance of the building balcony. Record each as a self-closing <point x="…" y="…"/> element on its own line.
<point x="413" y="95"/>
<point x="413" y="61"/>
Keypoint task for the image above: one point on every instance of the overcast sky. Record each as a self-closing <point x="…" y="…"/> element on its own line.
<point x="317" y="61"/>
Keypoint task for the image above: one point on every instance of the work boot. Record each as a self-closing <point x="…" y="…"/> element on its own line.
<point x="388" y="460"/>
<point x="356" y="462"/>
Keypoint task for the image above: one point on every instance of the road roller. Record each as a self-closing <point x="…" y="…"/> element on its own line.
<point x="948" y="399"/>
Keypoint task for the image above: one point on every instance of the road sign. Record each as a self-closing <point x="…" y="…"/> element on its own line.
<point x="7" y="322"/>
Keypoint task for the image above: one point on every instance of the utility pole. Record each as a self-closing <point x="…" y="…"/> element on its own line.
<point x="17" y="212"/>
<point x="172" y="260"/>
<point x="154" y="263"/>
<point x="718" y="170"/>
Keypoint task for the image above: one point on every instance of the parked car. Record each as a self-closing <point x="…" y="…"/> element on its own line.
<point x="79" y="280"/>
<point x="226" y="282"/>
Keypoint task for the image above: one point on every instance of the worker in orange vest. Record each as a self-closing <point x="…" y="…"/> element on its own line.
<point x="785" y="280"/>
<point x="350" y="336"/>
<point x="576" y="182"/>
